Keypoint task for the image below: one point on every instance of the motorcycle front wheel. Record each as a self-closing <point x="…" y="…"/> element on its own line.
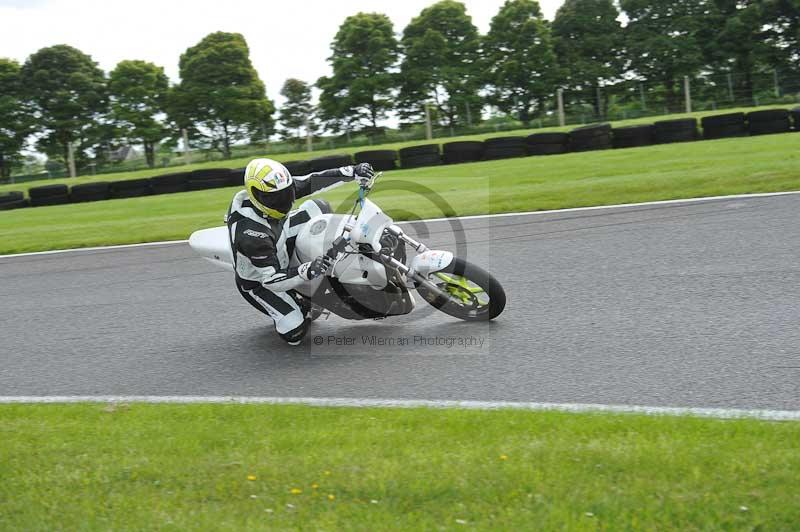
<point x="465" y="291"/>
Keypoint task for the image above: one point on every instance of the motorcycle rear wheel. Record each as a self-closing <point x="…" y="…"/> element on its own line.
<point x="466" y="291"/>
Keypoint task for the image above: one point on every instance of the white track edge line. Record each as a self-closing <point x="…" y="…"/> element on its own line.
<point x="431" y="220"/>
<point x="719" y="413"/>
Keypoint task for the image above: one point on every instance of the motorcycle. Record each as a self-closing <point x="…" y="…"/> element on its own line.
<point x="369" y="277"/>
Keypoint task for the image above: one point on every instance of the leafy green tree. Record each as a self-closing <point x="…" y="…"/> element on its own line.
<point x="520" y="61"/>
<point x="589" y="46"/>
<point x="16" y="122"/>
<point x="441" y="64"/>
<point x="220" y="96"/>
<point x="297" y="111"/>
<point x="663" y="42"/>
<point x="739" y="42"/>
<point x="138" y="91"/>
<point x="364" y="54"/>
<point x="68" y="93"/>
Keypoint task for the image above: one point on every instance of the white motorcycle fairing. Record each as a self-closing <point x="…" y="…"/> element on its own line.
<point x="214" y="245"/>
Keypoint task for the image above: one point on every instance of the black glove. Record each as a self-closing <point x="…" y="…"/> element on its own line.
<point x="315" y="268"/>
<point x="363" y="173"/>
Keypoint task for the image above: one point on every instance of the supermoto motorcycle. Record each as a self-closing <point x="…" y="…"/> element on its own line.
<point x="369" y="278"/>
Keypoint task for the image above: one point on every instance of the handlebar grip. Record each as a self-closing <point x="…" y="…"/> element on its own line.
<point x="337" y="247"/>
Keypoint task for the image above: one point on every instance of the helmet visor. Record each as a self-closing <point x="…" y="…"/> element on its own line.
<point x="279" y="200"/>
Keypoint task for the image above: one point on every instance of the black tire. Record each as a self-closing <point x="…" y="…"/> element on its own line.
<point x="419" y="161"/>
<point x="98" y="191"/>
<point x="548" y="138"/>
<point x="680" y="130"/>
<point x="721" y="121"/>
<point x="235" y="178"/>
<point x="381" y="160"/>
<point x="12" y="196"/>
<point x="768" y="128"/>
<point x="769" y="115"/>
<point x="479" y="277"/>
<point x="131" y="188"/>
<point x="589" y="132"/>
<point x="505" y="148"/>
<point x="796" y="118"/>
<point x="547" y="149"/>
<point x="725" y="131"/>
<point x="50" y="200"/>
<point x="592" y="144"/>
<point x="208" y="178"/>
<point x="464" y="151"/>
<point x="48" y="191"/>
<point x="17" y="204"/>
<point x="331" y="161"/>
<point x="170" y="183"/>
<point x="633" y="136"/>
<point x="417" y="151"/>
<point x="295" y="168"/>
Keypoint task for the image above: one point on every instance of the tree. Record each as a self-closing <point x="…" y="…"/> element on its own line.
<point x="588" y="43"/>
<point x="364" y="54"/>
<point x="739" y="43"/>
<point x="520" y="61"/>
<point x="68" y="93"/>
<point x="138" y="91"/>
<point x="296" y="113"/>
<point x="16" y="123"/>
<point x="220" y="96"/>
<point x="441" y="64"/>
<point x="663" y="42"/>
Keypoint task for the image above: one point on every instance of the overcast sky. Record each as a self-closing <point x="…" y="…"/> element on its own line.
<point x="287" y="38"/>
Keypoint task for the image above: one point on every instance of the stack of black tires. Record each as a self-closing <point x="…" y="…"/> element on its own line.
<point x="724" y="126"/>
<point x="464" y="151"/>
<point x="381" y="160"/>
<point x="12" y="200"/>
<point x="98" y="191"/>
<point x="634" y="136"/>
<point x="418" y="156"/>
<point x="504" y="148"/>
<point x="769" y="121"/>
<point x="589" y="138"/>
<point x="49" y="195"/>
<point x="680" y="130"/>
<point x="547" y="143"/>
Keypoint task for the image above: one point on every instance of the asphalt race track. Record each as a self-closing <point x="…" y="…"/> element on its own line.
<point x="688" y="305"/>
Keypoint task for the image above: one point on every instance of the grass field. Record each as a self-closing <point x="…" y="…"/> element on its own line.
<point x="241" y="162"/>
<point x="730" y="166"/>
<point x="245" y="467"/>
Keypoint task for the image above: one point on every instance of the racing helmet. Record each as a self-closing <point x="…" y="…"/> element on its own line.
<point x="270" y="187"/>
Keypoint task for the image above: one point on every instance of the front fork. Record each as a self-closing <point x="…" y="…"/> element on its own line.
<point x="419" y="247"/>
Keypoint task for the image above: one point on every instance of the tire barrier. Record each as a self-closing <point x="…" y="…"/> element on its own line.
<point x="298" y="167"/>
<point x="796" y="118"/>
<point x="169" y="183"/>
<point x="208" y="178"/>
<point x="465" y="151"/>
<point x="49" y="195"/>
<point x="589" y="138"/>
<point x="12" y="200"/>
<point x="331" y="161"/>
<point x="769" y="122"/>
<point x="98" y="191"/>
<point x="418" y="156"/>
<point x="132" y="188"/>
<point x="724" y="126"/>
<point x="547" y="143"/>
<point x="680" y="130"/>
<point x="235" y="178"/>
<point x="381" y="160"/>
<point x="504" y="148"/>
<point x="633" y="136"/>
<point x="593" y="137"/>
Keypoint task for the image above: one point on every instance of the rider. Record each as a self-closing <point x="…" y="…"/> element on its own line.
<point x="263" y="230"/>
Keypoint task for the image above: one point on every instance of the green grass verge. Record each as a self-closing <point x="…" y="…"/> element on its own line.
<point x="254" y="467"/>
<point x="242" y="162"/>
<point x="730" y="166"/>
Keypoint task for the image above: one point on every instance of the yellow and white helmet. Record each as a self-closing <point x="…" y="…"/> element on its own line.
<point x="270" y="187"/>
